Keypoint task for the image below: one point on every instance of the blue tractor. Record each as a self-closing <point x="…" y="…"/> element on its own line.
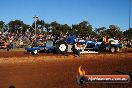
<point x="67" y="44"/>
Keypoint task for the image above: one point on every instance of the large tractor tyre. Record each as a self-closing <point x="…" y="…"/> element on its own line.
<point x="34" y="52"/>
<point x="112" y="49"/>
<point x="61" y="47"/>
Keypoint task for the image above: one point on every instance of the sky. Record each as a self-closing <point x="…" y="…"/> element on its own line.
<point x="99" y="13"/>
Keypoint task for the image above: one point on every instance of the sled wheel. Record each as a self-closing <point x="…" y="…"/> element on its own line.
<point x="118" y="49"/>
<point x="112" y="49"/>
<point x="34" y="52"/>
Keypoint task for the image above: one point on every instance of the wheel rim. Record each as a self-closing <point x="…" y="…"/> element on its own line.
<point x="35" y="51"/>
<point x="62" y="47"/>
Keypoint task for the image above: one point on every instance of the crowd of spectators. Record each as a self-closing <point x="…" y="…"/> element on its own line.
<point x="19" y="40"/>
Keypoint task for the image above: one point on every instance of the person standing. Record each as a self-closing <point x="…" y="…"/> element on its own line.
<point x="78" y="48"/>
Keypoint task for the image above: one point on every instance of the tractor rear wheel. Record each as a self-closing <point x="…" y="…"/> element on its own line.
<point x="61" y="47"/>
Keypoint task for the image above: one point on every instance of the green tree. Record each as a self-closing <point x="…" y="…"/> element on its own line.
<point x="2" y="25"/>
<point x="56" y="27"/>
<point x="26" y="28"/>
<point x="99" y="30"/>
<point x="114" y="31"/>
<point x="47" y="27"/>
<point x="40" y="24"/>
<point x="15" y="26"/>
<point x="82" y="29"/>
<point x="128" y="33"/>
<point x="5" y="28"/>
<point x="65" y="28"/>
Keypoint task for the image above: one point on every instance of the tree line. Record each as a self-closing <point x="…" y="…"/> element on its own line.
<point x="82" y="29"/>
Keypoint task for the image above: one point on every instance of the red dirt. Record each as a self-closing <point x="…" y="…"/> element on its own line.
<point x="8" y="54"/>
<point x="57" y="71"/>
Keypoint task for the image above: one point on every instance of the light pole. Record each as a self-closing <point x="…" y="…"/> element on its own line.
<point x="129" y="18"/>
<point x="35" y="19"/>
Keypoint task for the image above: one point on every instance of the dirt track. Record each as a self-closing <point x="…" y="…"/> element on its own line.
<point x="57" y="71"/>
<point x="8" y="54"/>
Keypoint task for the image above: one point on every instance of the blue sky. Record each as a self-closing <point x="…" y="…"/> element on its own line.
<point x="99" y="13"/>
